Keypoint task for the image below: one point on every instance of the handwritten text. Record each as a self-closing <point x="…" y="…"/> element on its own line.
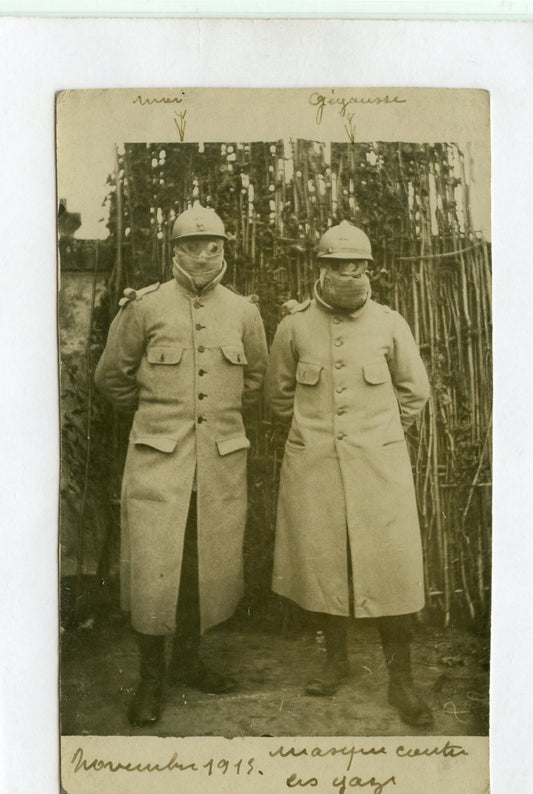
<point x="164" y="100"/>
<point x="319" y="752"/>
<point x="223" y="766"/>
<point x="342" y="103"/>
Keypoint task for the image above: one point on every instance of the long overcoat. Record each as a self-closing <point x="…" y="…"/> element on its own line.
<point x="187" y="363"/>
<point x="351" y="383"/>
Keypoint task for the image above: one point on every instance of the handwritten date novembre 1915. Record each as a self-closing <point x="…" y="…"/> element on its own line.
<point x="222" y="765"/>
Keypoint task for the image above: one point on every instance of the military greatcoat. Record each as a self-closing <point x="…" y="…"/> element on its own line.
<point x="350" y="384"/>
<point x="186" y="362"/>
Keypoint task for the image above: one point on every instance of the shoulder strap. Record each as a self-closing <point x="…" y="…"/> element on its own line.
<point x="136" y="294"/>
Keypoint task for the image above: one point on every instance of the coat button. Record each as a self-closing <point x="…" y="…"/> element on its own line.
<point x="202" y="372"/>
<point x="339" y="365"/>
<point x="201" y="348"/>
<point x="201" y="419"/>
<point x="162" y="357"/>
<point x="338" y="342"/>
<point x="336" y="320"/>
<point x="341" y="411"/>
<point x="197" y="305"/>
<point x="340" y="436"/>
<point x="339" y="389"/>
<point x="201" y="396"/>
<point x="199" y="326"/>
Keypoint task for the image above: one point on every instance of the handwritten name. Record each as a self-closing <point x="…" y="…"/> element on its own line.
<point x="164" y="100"/>
<point x="319" y="752"/>
<point x="321" y="101"/>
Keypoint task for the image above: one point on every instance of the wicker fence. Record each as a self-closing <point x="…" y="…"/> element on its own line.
<point x="276" y="199"/>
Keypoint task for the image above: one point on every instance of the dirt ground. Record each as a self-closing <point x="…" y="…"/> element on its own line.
<point x="100" y="665"/>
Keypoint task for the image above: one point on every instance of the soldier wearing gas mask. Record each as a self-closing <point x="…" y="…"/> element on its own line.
<point x="187" y="355"/>
<point x="346" y="373"/>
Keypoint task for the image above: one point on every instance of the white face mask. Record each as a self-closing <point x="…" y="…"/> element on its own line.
<point x="198" y="262"/>
<point x="344" y="287"/>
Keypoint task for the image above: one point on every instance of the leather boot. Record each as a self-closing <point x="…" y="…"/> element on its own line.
<point x="336" y="669"/>
<point x="187" y="669"/>
<point x="403" y="694"/>
<point x="145" y="707"/>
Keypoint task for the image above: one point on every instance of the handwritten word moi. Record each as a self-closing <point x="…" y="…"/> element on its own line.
<point x="223" y="765"/>
<point x="341" y="783"/>
<point x="319" y="752"/>
<point x="321" y="101"/>
<point x="164" y="100"/>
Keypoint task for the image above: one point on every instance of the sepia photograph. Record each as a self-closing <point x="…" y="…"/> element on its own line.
<point x="276" y="415"/>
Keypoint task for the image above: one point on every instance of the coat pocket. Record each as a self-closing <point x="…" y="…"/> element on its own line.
<point x="230" y="444"/>
<point x="376" y="372"/>
<point x="161" y="443"/>
<point x="148" y="472"/>
<point x="308" y="373"/>
<point x="164" y="355"/>
<point x="234" y="354"/>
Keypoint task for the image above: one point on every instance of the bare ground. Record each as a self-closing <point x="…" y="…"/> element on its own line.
<point x="100" y="665"/>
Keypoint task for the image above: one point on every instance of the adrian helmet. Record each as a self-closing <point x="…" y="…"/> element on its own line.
<point x="344" y="241"/>
<point x="198" y="221"/>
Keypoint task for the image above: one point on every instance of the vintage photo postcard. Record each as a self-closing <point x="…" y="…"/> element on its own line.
<point x="275" y="324"/>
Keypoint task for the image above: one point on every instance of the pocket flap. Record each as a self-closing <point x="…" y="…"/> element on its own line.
<point x="232" y="444"/>
<point x="307" y="373"/>
<point x="161" y="443"/>
<point x="234" y="354"/>
<point x="376" y="372"/>
<point x="164" y="355"/>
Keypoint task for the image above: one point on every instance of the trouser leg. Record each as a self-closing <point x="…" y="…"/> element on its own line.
<point x="335" y="628"/>
<point x="186" y="666"/>
<point x="336" y="668"/>
<point x="396" y="635"/>
<point x="186" y="643"/>
<point x="145" y="706"/>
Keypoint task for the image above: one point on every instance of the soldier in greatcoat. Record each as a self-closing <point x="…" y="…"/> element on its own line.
<point x="187" y="355"/>
<point x="346" y="373"/>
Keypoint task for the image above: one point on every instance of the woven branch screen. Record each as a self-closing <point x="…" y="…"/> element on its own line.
<point x="413" y="200"/>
